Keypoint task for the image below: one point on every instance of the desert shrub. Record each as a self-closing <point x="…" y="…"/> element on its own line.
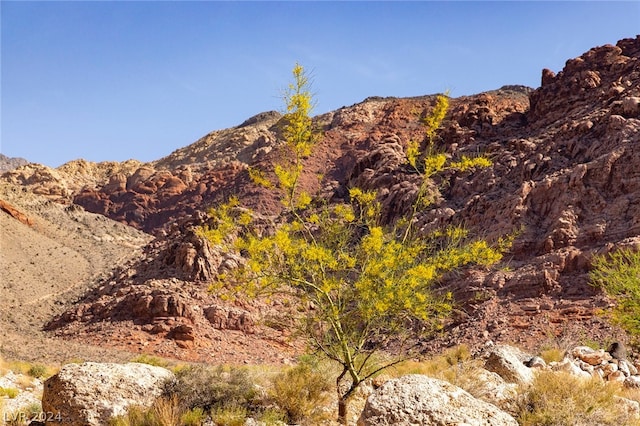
<point x="193" y="417"/>
<point x="164" y="412"/>
<point x="207" y="388"/>
<point x="618" y="274"/>
<point x="273" y="416"/>
<point x="302" y="392"/>
<point x="561" y="399"/>
<point x="167" y="411"/>
<point x="37" y="370"/>
<point x="136" y="416"/>
<point x="229" y="415"/>
<point x="435" y="366"/>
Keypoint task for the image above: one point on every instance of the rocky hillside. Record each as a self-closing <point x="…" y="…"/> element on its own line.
<point x="565" y="175"/>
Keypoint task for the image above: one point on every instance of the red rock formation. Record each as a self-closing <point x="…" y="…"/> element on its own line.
<point x="565" y="176"/>
<point x="15" y="213"/>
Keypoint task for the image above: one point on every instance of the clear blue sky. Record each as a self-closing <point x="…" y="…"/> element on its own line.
<point x="118" y="80"/>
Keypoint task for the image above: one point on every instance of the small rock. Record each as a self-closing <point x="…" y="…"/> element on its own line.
<point x="632" y="382"/>
<point x="616" y="376"/>
<point x="617" y="351"/>
<point x="506" y="361"/>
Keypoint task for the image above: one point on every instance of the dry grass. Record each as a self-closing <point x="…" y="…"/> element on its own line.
<point x="303" y="392"/>
<point x="552" y="355"/>
<point x="560" y="399"/>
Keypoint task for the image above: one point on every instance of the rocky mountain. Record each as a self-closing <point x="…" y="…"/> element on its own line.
<point x="10" y="163"/>
<point x="565" y="177"/>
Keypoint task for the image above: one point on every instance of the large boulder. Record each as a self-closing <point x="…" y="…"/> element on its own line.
<point x="91" y="393"/>
<point x="508" y="363"/>
<point x="421" y="400"/>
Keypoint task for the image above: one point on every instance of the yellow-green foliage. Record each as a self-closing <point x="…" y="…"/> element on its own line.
<point x="27" y="368"/>
<point x="552" y="355"/>
<point x="9" y="392"/>
<point x="194" y="417"/>
<point x="151" y="360"/>
<point x="619" y="275"/>
<point x="434" y="120"/>
<point x="299" y="141"/>
<point x="368" y="282"/>
<point x="561" y="399"/>
<point x="229" y="416"/>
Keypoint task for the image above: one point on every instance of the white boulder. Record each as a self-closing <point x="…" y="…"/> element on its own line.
<point x="91" y="393"/>
<point x="421" y="400"/>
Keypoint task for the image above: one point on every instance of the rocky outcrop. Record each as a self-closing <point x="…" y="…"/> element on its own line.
<point x="15" y="213"/>
<point x="92" y="393"/>
<point x="421" y="400"/>
<point x="162" y="301"/>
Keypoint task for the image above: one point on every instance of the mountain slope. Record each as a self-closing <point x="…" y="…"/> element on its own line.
<point x="565" y="177"/>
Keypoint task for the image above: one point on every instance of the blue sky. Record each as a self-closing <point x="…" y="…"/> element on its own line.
<point x="118" y="80"/>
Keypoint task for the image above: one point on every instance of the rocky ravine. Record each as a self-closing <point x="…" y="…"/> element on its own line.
<point x="564" y="175"/>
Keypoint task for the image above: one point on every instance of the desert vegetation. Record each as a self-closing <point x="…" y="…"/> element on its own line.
<point x="368" y="284"/>
<point x="618" y="274"/>
<point x="303" y="394"/>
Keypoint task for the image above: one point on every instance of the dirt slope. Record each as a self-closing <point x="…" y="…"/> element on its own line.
<point x="47" y="264"/>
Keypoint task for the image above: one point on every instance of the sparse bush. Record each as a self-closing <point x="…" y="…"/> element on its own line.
<point x="560" y="399"/>
<point x="207" y="388"/>
<point x="164" y="412"/>
<point x="167" y="411"/>
<point x="193" y="417"/>
<point x="37" y="371"/>
<point x="435" y="366"/>
<point x="302" y="392"/>
<point x="273" y="416"/>
<point x="230" y="415"/>
<point x="136" y="416"/>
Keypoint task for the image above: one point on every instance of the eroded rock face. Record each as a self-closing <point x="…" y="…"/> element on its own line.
<point x="92" y="393"/>
<point x="421" y="400"/>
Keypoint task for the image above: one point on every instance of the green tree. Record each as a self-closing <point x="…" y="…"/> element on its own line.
<point x="366" y="285"/>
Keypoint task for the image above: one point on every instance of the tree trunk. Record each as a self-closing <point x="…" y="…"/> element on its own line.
<point x="342" y="410"/>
